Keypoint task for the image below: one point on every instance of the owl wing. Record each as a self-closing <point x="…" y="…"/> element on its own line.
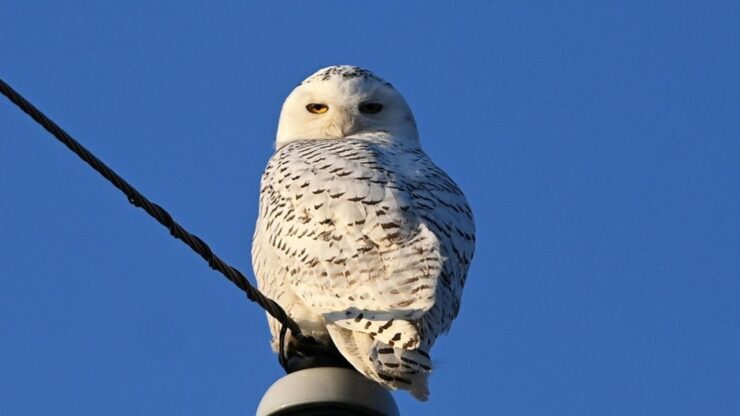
<point x="442" y="207"/>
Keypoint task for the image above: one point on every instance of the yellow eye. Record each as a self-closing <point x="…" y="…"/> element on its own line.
<point x="370" y="108"/>
<point x="317" y="108"/>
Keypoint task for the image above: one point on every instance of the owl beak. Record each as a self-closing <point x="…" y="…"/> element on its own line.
<point x="349" y="129"/>
<point x="344" y="125"/>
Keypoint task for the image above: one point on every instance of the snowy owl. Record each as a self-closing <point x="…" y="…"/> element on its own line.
<point x="361" y="238"/>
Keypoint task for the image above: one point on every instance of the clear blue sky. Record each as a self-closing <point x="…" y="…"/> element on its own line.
<point x="598" y="143"/>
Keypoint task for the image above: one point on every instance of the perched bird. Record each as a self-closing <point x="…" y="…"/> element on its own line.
<point x="361" y="238"/>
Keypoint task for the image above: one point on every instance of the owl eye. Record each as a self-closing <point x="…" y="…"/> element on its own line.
<point x="317" y="108"/>
<point x="370" y="108"/>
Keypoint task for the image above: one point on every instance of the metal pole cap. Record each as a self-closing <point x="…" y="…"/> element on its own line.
<point x="326" y="391"/>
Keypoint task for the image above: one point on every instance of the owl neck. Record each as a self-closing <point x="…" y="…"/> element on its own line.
<point x="381" y="137"/>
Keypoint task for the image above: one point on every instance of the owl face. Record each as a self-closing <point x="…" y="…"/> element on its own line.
<point x="344" y="101"/>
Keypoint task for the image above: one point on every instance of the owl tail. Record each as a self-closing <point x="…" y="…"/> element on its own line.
<point x="394" y="368"/>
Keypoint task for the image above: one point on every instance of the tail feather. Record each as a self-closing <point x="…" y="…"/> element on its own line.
<point x="394" y="368"/>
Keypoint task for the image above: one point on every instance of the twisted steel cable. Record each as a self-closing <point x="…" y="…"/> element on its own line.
<point x="158" y="213"/>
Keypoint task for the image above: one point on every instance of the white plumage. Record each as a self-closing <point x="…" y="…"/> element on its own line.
<point x="360" y="237"/>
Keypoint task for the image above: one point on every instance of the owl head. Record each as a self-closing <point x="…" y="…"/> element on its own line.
<point x="342" y="102"/>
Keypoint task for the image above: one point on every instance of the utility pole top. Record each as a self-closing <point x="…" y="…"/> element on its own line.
<point x="327" y="391"/>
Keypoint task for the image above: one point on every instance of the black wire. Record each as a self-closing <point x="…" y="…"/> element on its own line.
<point x="158" y="213"/>
<point x="282" y="354"/>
